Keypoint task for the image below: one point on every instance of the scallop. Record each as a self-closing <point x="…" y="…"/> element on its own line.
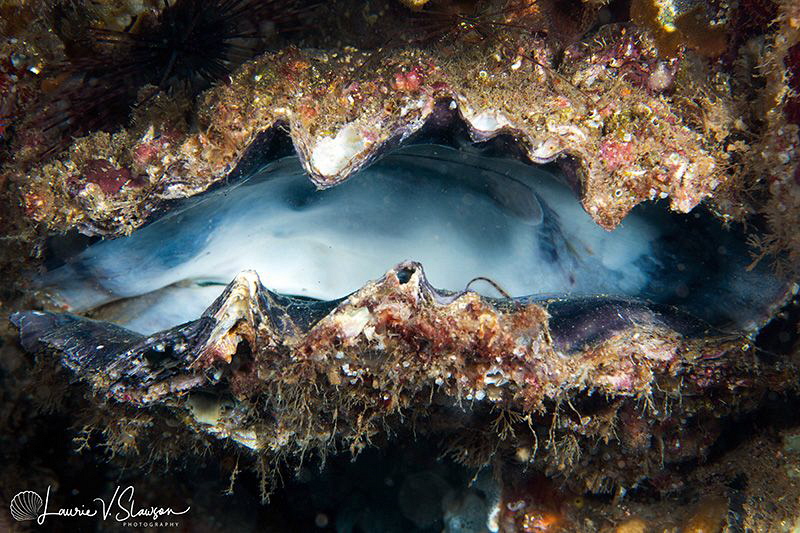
<point x="451" y="281"/>
<point x="26" y="505"/>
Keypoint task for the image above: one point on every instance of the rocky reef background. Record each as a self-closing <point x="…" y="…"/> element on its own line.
<point x="685" y="101"/>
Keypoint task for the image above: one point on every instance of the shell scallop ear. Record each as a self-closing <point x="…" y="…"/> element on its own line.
<point x="33" y="325"/>
<point x="26" y="506"/>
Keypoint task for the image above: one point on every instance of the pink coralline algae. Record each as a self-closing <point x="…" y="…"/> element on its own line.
<point x="110" y="178"/>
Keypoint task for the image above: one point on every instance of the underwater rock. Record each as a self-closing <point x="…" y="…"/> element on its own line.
<point x="675" y="24"/>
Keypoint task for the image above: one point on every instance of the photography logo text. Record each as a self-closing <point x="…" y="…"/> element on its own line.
<point x="121" y="507"/>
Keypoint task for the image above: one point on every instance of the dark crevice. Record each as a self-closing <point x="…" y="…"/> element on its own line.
<point x="242" y="361"/>
<point x="779" y="338"/>
<point x="404" y="275"/>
